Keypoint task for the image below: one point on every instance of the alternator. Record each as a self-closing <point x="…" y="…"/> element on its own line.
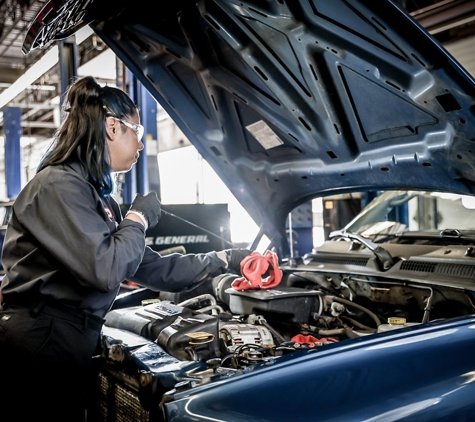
<point x="234" y="335"/>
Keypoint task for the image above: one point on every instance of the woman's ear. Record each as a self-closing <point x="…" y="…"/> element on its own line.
<point x="111" y="127"/>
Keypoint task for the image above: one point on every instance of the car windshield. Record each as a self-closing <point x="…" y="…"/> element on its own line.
<point x="394" y="212"/>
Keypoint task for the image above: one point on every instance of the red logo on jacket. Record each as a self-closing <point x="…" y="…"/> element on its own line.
<point x="109" y="213"/>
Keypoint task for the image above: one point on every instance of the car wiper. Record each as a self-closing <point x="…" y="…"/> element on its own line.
<point x="453" y="235"/>
<point x="383" y="257"/>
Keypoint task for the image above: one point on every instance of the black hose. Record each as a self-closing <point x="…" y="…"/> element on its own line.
<point x="357" y="323"/>
<point x="428" y="306"/>
<point x="354" y="305"/>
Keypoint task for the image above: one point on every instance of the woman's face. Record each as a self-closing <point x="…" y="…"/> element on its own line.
<point x="123" y="142"/>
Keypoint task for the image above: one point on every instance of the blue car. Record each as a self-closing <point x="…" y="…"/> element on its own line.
<point x="290" y="101"/>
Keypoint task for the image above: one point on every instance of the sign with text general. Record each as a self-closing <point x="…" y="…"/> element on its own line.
<point x="210" y="224"/>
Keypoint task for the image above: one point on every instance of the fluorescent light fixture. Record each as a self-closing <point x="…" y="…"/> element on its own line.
<point x="38" y="69"/>
<point x="84" y="33"/>
<point x="30" y="76"/>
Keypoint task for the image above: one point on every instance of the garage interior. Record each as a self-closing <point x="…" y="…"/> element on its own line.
<point x="31" y="90"/>
<point x="31" y="86"/>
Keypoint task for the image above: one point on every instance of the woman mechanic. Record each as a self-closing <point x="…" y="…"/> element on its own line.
<point x="67" y="250"/>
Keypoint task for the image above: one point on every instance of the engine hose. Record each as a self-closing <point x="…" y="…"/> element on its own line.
<point x="351" y="334"/>
<point x="334" y="332"/>
<point x="354" y="305"/>
<point x="213" y="308"/>
<point x="321" y="307"/>
<point x="198" y="299"/>
<point x="428" y="307"/>
<point x="358" y="324"/>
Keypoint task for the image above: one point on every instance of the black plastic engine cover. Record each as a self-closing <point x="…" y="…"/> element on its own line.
<point x="195" y="338"/>
<point x="147" y="321"/>
<point x="289" y="303"/>
<point x="182" y="332"/>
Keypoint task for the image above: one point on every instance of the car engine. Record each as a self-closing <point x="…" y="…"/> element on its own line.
<point x="234" y="329"/>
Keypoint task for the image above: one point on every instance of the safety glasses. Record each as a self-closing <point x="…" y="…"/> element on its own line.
<point x="138" y="129"/>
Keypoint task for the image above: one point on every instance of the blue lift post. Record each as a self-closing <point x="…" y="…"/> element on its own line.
<point x="137" y="180"/>
<point x="68" y="63"/>
<point x="13" y="132"/>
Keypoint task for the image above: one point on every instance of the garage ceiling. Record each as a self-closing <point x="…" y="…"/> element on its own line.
<point x="452" y="22"/>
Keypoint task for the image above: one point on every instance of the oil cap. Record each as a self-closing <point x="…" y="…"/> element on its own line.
<point x="396" y="320"/>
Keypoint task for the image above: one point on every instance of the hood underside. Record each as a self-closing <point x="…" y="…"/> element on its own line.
<point x="288" y="100"/>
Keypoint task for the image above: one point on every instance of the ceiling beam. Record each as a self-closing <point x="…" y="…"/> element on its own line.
<point x="32" y="124"/>
<point x="37" y="106"/>
<point x="445" y="15"/>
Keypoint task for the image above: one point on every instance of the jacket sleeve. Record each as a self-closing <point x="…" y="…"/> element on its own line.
<point x="176" y="272"/>
<point x="67" y="218"/>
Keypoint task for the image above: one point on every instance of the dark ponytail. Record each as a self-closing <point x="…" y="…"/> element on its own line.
<point x="82" y="136"/>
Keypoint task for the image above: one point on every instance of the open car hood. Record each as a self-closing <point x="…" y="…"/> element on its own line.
<point x="290" y="100"/>
<point x="287" y="100"/>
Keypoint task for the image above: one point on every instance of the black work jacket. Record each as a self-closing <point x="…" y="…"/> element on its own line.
<point x="64" y="242"/>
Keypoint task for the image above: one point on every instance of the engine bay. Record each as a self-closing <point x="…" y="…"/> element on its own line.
<point x="230" y="329"/>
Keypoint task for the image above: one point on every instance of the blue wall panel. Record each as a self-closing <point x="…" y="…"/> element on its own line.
<point x="13" y="132"/>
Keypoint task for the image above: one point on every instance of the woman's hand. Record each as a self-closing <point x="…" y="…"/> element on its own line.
<point x="234" y="258"/>
<point x="145" y="209"/>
